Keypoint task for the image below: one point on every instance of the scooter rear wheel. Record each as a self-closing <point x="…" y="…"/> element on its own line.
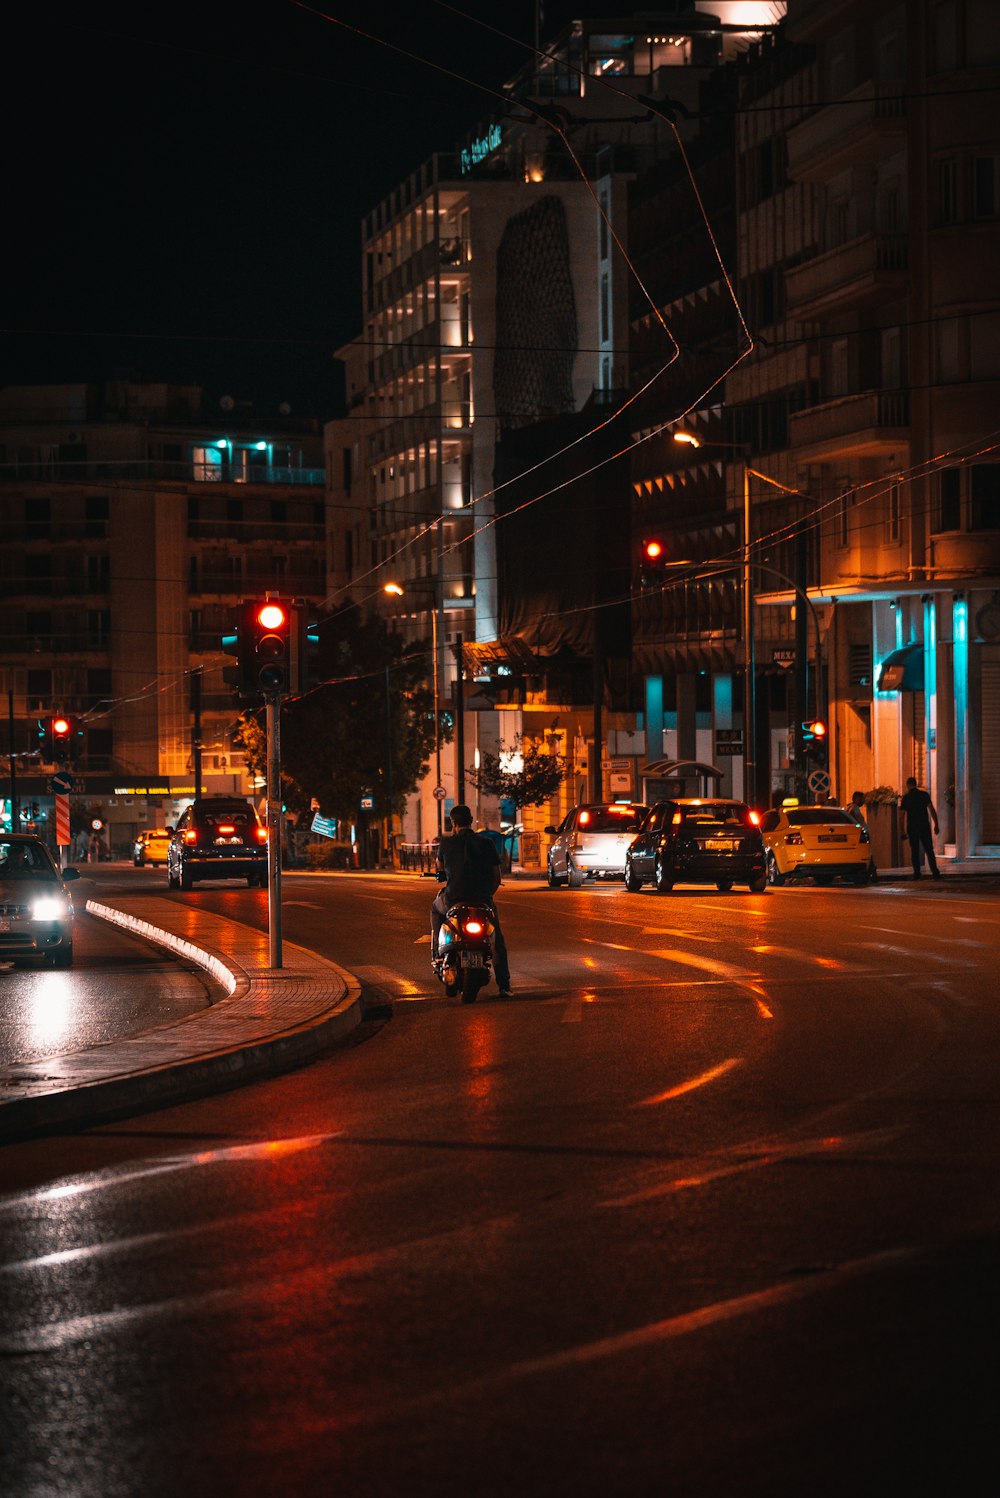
<point x="473" y="979"/>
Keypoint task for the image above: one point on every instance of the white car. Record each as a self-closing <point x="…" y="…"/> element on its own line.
<point x="592" y="841"/>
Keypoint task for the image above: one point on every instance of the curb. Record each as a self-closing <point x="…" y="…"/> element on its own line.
<point x="266" y="1023"/>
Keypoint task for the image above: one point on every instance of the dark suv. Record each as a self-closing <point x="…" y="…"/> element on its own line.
<point x="703" y="841"/>
<point x="219" y="837"/>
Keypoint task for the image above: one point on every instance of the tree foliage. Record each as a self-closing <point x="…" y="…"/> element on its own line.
<point x="540" y="776"/>
<point x="338" y="742"/>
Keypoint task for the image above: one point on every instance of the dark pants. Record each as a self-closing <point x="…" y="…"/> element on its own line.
<point x="439" y="910"/>
<point x="920" y="839"/>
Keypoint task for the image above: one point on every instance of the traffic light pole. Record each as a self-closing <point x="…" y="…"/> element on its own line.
<point x="273" y="727"/>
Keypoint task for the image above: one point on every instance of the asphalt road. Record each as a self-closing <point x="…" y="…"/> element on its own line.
<point x="707" y="1208"/>
<point x="118" y="985"/>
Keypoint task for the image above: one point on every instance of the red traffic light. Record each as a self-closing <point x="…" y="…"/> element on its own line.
<point x="653" y="550"/>
<point x="817" y="728"/>
<point x="60" y="726"/>
<point x="272" y="616"/>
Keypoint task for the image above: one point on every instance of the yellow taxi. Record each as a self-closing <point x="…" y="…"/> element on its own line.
<point x="151" y="847"/>
<point x="821" y="843"/>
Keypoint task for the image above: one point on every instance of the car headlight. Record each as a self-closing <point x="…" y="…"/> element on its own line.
<point x="49" y="908"/>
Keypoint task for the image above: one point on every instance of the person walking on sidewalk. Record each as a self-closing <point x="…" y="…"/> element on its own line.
<point x="918" y="814"/>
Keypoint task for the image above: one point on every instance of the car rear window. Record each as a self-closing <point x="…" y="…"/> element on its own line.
<point x="813" y="816"/>
<point x="239" y="817"/>
<point x="623" y="818"/>
<point x="714" y="814"/>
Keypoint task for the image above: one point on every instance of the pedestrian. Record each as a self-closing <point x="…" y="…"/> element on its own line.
<point x="469" y="864"/>
<point x="918" y="814"/>
<point x="856" y="811"/>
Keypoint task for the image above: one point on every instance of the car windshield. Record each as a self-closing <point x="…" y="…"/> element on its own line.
<point x="812" y="816"/>
<point x="24" y="861"/>
<point x="623" y="818"/>
<point x="714" y="814"/>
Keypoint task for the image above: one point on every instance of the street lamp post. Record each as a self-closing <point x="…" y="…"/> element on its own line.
<point x="749" y="647"/>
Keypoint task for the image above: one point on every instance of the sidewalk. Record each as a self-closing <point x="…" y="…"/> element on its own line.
<point x="266" y="1022"/>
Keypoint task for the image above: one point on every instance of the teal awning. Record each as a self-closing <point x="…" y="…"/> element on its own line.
<point x="903" y="669"/>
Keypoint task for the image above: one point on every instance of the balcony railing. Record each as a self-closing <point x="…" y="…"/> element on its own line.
<point x="852" y="131"/>
<point x="863" y="270"/>
<point x="39" y="472"/>
<point x="873" y="421"/>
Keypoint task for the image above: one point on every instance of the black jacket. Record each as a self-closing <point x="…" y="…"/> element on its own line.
<point x="469" y="865"/>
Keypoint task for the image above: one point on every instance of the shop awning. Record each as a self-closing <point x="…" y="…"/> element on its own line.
<point x="903" y="669"/>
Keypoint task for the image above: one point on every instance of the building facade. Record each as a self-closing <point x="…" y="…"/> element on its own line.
<point x="135" y="518"/>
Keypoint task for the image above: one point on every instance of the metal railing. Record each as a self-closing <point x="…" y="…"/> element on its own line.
<point x="418" y="858"/>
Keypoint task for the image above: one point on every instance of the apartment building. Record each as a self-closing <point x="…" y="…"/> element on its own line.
<point x="496" y="297"/>
<point x="899" y="438"/>
<point x="135" y="516"/>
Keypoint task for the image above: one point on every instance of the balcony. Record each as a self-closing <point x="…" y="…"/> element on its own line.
<point x="872" y="268"/>
<point x="870" y="424"/>
<point x="961" y="554"/>
<point x="860" y="129"/>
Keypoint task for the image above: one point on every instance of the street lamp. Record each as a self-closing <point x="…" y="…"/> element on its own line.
<point x="397" y="590"/>
<point x="749" y="662"/>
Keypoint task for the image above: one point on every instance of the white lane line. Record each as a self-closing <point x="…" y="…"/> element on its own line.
<point x="267" y="1151"/>
<point x="950" y="941"/>
<point x="768" y="1154"/>
<point x="676" y="931"/>
<point x="692" y="1084"/>
<point x="705" y="964"/>
<point x="918" y="955"/>
<point x="305" y="904"/>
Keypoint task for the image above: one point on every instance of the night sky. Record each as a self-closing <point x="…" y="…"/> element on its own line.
<point x="186" y="183"/>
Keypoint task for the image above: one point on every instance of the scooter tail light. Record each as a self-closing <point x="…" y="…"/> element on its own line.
<point x="474" y="928"/>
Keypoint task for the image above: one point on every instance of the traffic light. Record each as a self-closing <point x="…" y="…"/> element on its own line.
<point x="814" y="741"/>
<point x="275" y="639"/>
<point x="652" y="563"/>
<point x="271" y="644"/>
<point x="61" y="737"/>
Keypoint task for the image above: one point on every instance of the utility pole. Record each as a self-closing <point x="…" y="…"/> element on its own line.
<point x="459" y="721"/>
<point x="196" y="744"/>
<point x="273" y="726"/>
<point x="15" y="810"/>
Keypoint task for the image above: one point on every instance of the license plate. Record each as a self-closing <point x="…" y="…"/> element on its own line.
<point x="5" y="923"/>
<point x="472" y="959"/>
<point x="721" y="844"/>
<point x="832" y="837"/>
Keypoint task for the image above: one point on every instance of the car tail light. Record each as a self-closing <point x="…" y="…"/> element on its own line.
<point x="262" y="834"/>
<point x="793" y="837"/>
<point x="753" y="818"/>
<point x="191" y="836"/>
<point x="226" y="829"/>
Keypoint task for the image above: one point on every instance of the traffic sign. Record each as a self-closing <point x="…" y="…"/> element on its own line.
<point x="439" y="793"/>
<point x="729" y="741"/>
<point x="62" y="782"/>
<point x="818" y="782"/>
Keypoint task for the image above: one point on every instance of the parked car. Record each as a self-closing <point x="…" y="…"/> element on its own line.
<point x="36" y="908"/>
<point x="697" y="841"/>
<point x="821" y="842"/>
<point x="591" y="842"/>
<point x="152" y="846"/>
<point x="218" y="837"/>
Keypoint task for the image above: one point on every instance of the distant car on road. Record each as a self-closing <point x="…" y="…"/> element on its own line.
<point x="218" y="837"/>
<point x="36" y="908"/>
<point x="697" y="841"/>
<point x="152" y="846"/>
<point x="591" y="842"/>
<point x="818" y="842"/>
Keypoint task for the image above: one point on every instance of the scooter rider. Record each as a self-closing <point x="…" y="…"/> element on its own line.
<point x="470" y="866"/>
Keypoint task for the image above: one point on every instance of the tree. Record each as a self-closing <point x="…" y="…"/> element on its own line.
<point x="536" y="781"/>
<point x="338" y="741"/>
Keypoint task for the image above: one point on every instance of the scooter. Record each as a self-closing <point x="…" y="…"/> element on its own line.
<point x="463" y="961"/>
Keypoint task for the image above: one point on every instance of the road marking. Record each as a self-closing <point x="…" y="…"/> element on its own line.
<point x="425" y="938"/>
<point x="706" y="964"/>
<point x="305" y="904"/>
<point x="692" y="1084"/>
<point x="773" y="1153"/>
<point x="676" y="931"/>
<point x="265" y="1150"/>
